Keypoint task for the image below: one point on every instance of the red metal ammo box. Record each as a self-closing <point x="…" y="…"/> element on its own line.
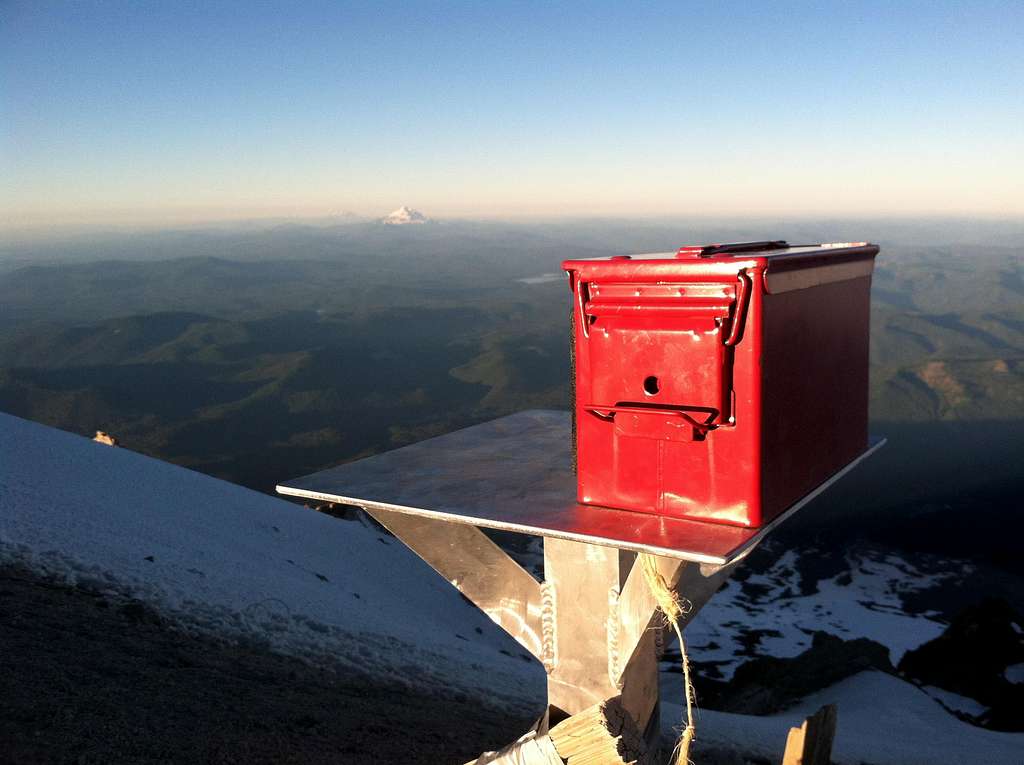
<point x="720" y="383"/>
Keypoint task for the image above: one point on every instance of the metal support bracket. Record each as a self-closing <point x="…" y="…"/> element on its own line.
<point x="477" y="568"/>
<point x="593" y="622"/>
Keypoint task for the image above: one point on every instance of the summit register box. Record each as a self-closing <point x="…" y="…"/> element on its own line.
<point x="721" y="383"/>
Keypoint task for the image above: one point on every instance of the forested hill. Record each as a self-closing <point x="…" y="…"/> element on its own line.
<point x="261" y="355"/>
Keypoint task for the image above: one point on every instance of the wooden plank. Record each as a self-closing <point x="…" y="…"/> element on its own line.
<point x="811" y="743"/>
<point x="531" y="749"/>
<point x="604" y="734"/>
<point x="820" y="750"/>
<point x="795" y="746"/>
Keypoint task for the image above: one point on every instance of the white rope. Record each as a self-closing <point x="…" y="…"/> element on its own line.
<point x="673" y="608"/>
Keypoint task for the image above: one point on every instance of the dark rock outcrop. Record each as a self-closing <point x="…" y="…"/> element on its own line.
<point x="971" y="658"/>
<point x="766" y="684"/>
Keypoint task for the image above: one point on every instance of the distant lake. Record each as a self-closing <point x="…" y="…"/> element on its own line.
<point x="543" y="278"/>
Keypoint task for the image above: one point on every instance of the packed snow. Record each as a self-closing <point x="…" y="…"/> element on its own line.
<point x="954" y="702"/>
<point x="1015" y="674"/>
<point x="882" y="720"/>
<point x="222" y="559"/>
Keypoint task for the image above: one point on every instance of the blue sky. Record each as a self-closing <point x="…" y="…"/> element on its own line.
<point x="172" y="111"/>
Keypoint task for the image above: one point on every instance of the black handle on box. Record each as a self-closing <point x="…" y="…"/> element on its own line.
<point x="719" y="249"/>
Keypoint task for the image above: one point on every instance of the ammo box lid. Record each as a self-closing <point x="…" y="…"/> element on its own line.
<point x="776" y="260"/>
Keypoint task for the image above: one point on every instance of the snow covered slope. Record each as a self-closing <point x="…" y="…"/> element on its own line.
<point x="223" y="559"/>
<point x="882" y="720"/>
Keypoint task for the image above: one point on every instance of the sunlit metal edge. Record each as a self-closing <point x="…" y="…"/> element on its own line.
<point x="487" y="523"/>
<point x="741" y="551"/>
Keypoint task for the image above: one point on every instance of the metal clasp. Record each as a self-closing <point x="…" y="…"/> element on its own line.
<point x="739" y="314"/>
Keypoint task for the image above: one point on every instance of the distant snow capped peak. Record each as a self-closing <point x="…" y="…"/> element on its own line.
<point x="404" y="216"/>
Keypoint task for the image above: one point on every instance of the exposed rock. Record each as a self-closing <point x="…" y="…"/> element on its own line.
<point x="971" y="658"/>
<point x="766" y="685"/>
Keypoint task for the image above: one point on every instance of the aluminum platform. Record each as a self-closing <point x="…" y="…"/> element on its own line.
<point x="514" y="474"/>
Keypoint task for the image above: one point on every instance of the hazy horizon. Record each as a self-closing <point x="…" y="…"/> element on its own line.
<point x="153" y="115"/>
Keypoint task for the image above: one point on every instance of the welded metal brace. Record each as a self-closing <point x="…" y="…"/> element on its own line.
<point x="593" y="623"/>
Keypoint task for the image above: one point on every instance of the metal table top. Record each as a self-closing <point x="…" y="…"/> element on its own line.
<point x="514" y="474"/>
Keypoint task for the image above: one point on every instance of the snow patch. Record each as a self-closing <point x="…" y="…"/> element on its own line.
<point x="1015" y="674"/>
<point x="768" y="615"/>
<point x="882" y="720"/>
<point x="954" y="702"/>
